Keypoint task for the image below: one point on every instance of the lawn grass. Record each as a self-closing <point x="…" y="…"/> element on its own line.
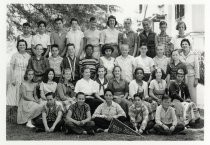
<point x="21" y="132"/>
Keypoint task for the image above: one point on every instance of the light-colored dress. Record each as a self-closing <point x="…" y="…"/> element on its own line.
<point x="18" y="66"/>
<point x="28" y="110"/>
<point x="109" y="65"/>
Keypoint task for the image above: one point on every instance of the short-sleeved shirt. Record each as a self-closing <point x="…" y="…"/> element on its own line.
<point x="109" y="36"/>
<point x="145" y="63"/>
<point x="119" y="88"/>
<point x="158" y="87"/>
<point x="92" y="63"/>
<point x="172" y="69"/>
<point x="161" y="62"/>
<point x="108" y="64"/>
<point x="75" y="37"/>
<point x="55" y="63"/>
<point x="48" y="87"/>
<point x="88" y="87"/>
<point x="113" y="110"/>
<point x="93" y="37"/>
<point x="43" y="39"/>
<point x="165" y="117"/>
<point x="127" y="65"/>
<point x="139" y="114"/>
<point x="59" y="39"/>
<point x="134" y="88"/>
<point x="79" y="112"/>
<point x="52" y="111"/>
<point x="129" y="38"/>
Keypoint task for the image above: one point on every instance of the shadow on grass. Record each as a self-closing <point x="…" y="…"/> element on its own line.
<point x="21" y="132"/>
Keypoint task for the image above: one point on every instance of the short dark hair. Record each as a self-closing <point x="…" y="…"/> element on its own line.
<point x="26" y="73"/>
<point x="70" y="44"/>
<point x="137" y="69"/>
<point x="155" y="71"/>
<point x="185" y="40"/>
<point x="101" y="66"/>
<point x="165" y="97"/>
<point x="22" y="40"/>
<point x="143" y="44"/>
<point x="73" y="19"/>
<point x="106" y="46"/>
<point x="111" y="17"/>
<point x="140" y="95"/>
<point x="54" y="45"/>
<point x="180" y="23"/>
<point x="181" y="68"/>
<point x="84" y="68"/>
<point x="92" y="19"/>
<point x="162" y="23"/>
<point x="108" y="90"/>
<point x="26" y="24"/>
<point x="89" y="45"/>
<point x="45" y="76"/>
<point x="80" y="93"/>
<point x="50" y="94"/>
<point x="42" y="22"/>
<point x="58" y="19"/>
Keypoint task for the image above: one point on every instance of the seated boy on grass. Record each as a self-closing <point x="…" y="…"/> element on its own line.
<point x="51" y="115"/>
<point x="165" y="118"/>
<point x="78" y="119"/>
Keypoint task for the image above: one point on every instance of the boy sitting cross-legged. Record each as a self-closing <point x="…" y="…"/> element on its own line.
<point x="78" y="119"/>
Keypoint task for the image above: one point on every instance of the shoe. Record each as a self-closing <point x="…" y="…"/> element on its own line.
<point x="91" y="132"/>
<point x="30" y="125"/>
<point x="84" y="132"/>
<point x="99" y="130"/>
<point x="106" y="130"/>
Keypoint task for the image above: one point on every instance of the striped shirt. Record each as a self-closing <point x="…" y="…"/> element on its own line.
<point x="92" y="63"/>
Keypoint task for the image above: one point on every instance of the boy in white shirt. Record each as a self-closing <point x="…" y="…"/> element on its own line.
<point x="160" y="60"/>
<point x="126" y="62"/>
<point x="41" y="38"/>
<point x="145" y="62"/>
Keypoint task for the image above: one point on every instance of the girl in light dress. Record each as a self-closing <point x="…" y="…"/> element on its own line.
<point x="48" y="84"/>
<point x="29" y="105"/>
<point x="107" y="60"/>
<point x="18" y="65"/>
<point x="158" y="85"/>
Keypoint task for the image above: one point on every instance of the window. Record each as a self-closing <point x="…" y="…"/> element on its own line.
<point x="179" y="11"/>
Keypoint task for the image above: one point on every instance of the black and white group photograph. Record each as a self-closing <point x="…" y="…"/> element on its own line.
<point x="105" y="71"/>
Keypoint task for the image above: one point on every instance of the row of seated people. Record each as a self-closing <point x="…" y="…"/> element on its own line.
<point x="31" y="105"/>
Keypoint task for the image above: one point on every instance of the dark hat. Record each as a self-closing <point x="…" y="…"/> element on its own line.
<point x="105" y="47"/>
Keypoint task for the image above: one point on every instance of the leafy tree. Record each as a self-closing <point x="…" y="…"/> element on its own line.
<point x="33" y="13"/>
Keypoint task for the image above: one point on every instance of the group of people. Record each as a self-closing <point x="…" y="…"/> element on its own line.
<point x="78" y="82"/>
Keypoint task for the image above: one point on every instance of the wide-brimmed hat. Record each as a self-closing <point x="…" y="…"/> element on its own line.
<point x="105" y="47"/>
